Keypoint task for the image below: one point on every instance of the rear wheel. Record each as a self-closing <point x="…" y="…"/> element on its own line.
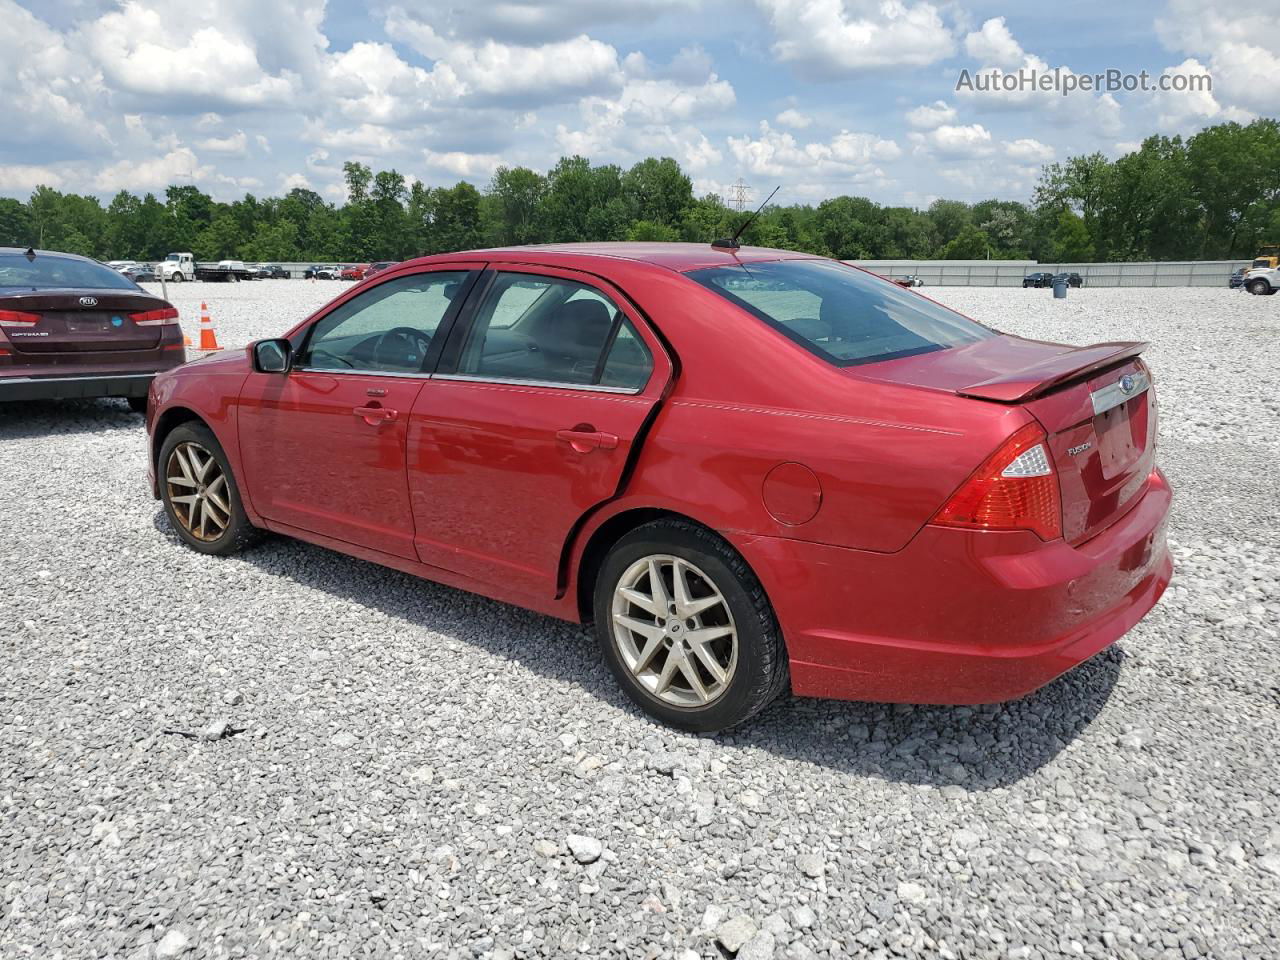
<point x="686" y="627"/>
<point x="199" y="492"/>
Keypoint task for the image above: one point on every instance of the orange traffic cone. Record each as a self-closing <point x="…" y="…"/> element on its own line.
<point x="208" y="341"/>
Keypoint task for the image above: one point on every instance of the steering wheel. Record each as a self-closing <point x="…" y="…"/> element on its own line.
<point x="403" y="336"/>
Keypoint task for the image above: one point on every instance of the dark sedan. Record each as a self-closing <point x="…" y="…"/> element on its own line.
<point x="71" y="327"/>
<point x="140" y="272"/>
<point x="1073" y="279"/>
<point x="1043" y="279"/>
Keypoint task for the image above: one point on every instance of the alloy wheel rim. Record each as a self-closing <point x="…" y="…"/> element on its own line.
<point x="197" y="491"/>
<point x="674" y="631"/>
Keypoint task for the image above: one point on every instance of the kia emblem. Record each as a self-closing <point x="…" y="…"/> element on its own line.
<point x="88" y="301"/>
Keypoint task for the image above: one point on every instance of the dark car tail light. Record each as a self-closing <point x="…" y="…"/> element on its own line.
<point x="17" y="318"/>
<point x="156" y="318"/>
<point x="1016" y="489"/>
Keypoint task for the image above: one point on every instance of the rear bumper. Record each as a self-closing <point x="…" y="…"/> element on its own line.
<point x="75" y="388"/>
<point x="959" y="617"/>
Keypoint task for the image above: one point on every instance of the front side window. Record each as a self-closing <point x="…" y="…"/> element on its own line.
<point x="51" y="272"/>
<point x="840" y="313"/>
<point x="387" y="329"/>
<point x="551" y="330"/>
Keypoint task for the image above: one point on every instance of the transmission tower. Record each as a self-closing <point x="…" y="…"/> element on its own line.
<point x="739" y="194"/>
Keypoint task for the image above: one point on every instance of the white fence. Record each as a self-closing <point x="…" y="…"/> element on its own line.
<point x="1009" y="273"/>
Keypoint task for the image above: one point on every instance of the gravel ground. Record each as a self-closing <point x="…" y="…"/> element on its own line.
<point x="297" y="753"/>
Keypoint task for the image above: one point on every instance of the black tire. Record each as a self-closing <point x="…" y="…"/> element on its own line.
<point x="761" y="673"/>
<point x="238" y="533"/>
<point x="137" y="404"/>
<point x="176" y="278"/>
<point x="1259" y="287"/>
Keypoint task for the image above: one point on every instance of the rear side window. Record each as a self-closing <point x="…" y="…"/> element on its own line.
<point x="841" y="314"/>
<point x="52" y="272"/>
<point x="551" y="330"/>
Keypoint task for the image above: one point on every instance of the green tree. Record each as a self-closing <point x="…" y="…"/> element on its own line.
<point x="1071" y="240"/>
<point x="512" y="205"/>
<point x="645" y="230"/>
<point x="658" y="190"/>
<point x="969" y="244"/>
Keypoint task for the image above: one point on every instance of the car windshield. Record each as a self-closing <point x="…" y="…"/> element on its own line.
<point x="840" y="313"/>
<point x="51" y="272"/>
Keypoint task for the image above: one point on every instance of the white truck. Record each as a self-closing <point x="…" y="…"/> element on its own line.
<point x="177" y="267"/>
<point x="1262" y="281"/>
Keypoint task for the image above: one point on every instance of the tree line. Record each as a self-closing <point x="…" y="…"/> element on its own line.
<point x="1213" y="196"/>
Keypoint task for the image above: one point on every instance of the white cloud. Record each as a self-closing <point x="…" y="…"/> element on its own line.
<point x="177" y="166"/>
<point x="775" y="153"/>
<point x="237" y="144"/>
<point x="1027" y="150"/>
<point x="994" y="45"/>
<point x="294" y="181"/>
<point x="210" y="60"/>
<point x="23" y="178"/>
<point x="501" y="72"/>
<point x="1239" y="46"/>
<point x="932" y="115"/>
<point x="463" y="164"/>
<point x="952" y="140"/>
<point x="794" y="119"/>
<point x="834" y="37"/>
<point x="529" y="22"/>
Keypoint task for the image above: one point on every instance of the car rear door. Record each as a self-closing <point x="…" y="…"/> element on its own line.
<point x="323" y="446"/>
<point x="546" y="384"/>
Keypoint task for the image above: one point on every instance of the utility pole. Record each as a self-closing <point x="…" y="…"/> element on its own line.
<point x="739" y="194"/>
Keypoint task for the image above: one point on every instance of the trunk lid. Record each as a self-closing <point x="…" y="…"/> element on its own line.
<point x="80" y="321"/>
<point x="1095" y="403"/>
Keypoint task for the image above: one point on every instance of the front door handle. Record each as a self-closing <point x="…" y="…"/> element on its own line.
<point x="584" y="441"/>
<point x="375" y="415"/>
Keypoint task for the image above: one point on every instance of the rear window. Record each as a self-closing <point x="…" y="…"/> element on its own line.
<point x="58" y="273"/>
<point x="841" y="314"/>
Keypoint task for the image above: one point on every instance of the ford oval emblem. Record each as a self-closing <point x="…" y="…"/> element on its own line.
<point x="1127" y="383"/>
<point x="88" y="301"/>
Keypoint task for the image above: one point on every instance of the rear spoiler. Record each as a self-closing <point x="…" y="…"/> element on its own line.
<point x="1040" y="378"/>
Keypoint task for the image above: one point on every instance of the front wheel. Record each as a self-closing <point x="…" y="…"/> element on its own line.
<point x="1259" y="287"/>
<point x="177" y="278"/>
<point x="199" y="492"/>
<point x="686" y="627"/>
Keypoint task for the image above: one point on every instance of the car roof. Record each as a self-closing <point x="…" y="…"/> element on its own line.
<point x="51" y="253"/>
<point x="674" y="256"/>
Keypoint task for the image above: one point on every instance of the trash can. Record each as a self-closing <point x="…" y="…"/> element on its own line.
<point x="1059" y="288"/>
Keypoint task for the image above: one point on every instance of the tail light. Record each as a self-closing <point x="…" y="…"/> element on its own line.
<point x="1016" y="489"/>
<point x="156" y="318"/>
<point x="16" y="318"/>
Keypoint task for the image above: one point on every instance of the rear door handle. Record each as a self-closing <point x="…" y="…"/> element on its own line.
<point x="375" y="415"/>
<point x="584" y="441"/>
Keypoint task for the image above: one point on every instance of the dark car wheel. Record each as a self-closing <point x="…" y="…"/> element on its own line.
<point x="1259" y="287"/>
<point x="199" y="492"/>
<point x="686" y="627"/>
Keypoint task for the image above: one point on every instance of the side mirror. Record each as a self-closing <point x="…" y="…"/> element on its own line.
<point x="272" y="356"/>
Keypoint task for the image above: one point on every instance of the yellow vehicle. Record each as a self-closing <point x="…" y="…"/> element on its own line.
<point x="1268" y="257"/>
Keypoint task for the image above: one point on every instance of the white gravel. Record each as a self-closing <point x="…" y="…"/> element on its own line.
<point x="402" y="769"/>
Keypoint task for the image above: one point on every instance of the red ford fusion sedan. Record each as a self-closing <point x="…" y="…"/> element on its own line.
<point x="749" y="469"/>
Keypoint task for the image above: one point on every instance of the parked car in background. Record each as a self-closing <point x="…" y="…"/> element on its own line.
<point x="71" y="327"/>
<point x="272" y="271"/>
<point x="310" y="272"/>
<point x="330" y="272"/>
<point x="872" y="497"/>
<point x="1073" y="279"/>
<point x="1236" y="280"/>
<point x="121" y="265"/>
<point x="140" y="272"/>
<point x="1041" y="279"/>
<point x="910" y="280"/>
<point x="379" y="267"/>
<point x="355" y="271"/>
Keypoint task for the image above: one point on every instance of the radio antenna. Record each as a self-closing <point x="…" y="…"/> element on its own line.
<point x="731" y="243"/>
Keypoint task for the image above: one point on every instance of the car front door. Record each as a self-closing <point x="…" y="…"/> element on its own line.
<point x="323" y="446"/>
<point x="545" y="385"/>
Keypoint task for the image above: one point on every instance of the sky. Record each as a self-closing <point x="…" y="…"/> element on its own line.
<point x="820" y="97"/>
